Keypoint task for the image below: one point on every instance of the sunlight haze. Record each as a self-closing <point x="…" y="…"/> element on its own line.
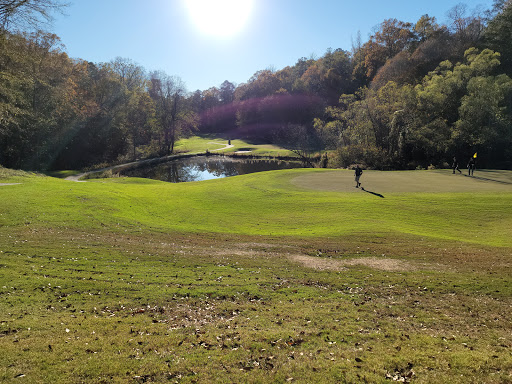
<point x="207" y="45"/>
<point x="219" y="18"/>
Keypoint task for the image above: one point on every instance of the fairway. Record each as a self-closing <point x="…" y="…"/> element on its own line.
<point x="385" y="182"/>
<point x="343" y="219"/>
<point x="275" y="277"/>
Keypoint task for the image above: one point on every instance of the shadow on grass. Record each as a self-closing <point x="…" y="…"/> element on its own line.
<point x="487" y="179"/>
<point x="373" y="193"/>
<point x="61" y="174"/>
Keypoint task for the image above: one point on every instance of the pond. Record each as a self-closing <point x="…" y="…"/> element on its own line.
<point x="200" y="168"/>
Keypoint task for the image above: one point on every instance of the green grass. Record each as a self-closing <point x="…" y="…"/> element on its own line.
<point x="7" y="175"/>
<point x="218" y="144"/>
<point x="62" y="174"/>
<point x="287" y="276"/>
<point x="268" y="203"/>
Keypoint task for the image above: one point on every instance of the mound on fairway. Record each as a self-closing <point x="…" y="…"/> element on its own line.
<point x="300" y="202"/>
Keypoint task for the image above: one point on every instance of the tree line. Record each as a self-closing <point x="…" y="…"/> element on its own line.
<point x="413" y="95"/>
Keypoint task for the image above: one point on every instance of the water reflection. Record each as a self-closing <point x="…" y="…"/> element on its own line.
<point x="206" y="168"/>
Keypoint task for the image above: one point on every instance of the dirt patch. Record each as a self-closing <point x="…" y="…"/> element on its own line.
<point x="5" y="184"/>
<point x="382" y="263"/>
<point x="323" y="264"/>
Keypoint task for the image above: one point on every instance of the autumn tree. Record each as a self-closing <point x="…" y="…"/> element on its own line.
<point x="338" y="74"/>
<point x="390" y="38"/>
<point x="210" y="102"/>
<point x="140" y="121"/>
<point x="99" y="131"/>
<point x="15" y="113"/>
<point x="431" y="45"/>
<point x="33" y="77"/>
<point x="328" y="77"/>
<point x="227" y="92"/>
<point x="262" y="83"/>
<point x="210" y="98"/>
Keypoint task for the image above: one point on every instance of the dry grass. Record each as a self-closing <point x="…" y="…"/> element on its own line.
<point x="93" y="307"/>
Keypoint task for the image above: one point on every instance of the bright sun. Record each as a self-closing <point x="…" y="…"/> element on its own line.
<point x="221" y="18"/>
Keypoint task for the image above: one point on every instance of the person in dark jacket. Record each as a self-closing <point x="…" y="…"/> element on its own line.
<point x="455" y="165"/>
<point x="471" y="165"/>
<point x="358" y="173"/>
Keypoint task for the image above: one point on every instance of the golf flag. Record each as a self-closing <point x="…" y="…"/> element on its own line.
<point x="474" y="156"/>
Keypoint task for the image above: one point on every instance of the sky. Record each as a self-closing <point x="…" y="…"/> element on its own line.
<point x="172" y="36"/>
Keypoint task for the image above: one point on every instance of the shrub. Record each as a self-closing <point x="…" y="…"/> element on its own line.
<point x="367" y="156"/>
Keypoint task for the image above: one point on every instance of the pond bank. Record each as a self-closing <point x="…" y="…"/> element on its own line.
<point x="159" y="160"/>
<point x="201" y="168"/>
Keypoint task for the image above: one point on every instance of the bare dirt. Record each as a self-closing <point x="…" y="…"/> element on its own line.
<point x="323" y="264"/>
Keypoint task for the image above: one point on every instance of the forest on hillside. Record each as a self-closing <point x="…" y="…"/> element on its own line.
<point x="414" y="95"/>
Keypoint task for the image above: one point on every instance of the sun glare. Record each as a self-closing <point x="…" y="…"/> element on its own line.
<point x="220" y="18"/>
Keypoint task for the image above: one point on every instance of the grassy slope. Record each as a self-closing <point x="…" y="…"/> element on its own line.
<point x="214" y="143"/>
<point x="131" y="280"/>
<point x="262" y="204"/>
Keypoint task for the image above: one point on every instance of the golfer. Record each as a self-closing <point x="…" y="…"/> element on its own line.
<point x="358" y="173"/>
<point x="471" y="165"/>
<point x="455" y="165"/>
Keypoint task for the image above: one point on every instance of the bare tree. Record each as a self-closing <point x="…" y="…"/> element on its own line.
<point x="467" y="28"/>
<point x="357" y="44"/>
<point x="300" y="139"/>
<point x="175" y="117"/>
<point x="32" y="14"/>
<point x="130" y="73"/>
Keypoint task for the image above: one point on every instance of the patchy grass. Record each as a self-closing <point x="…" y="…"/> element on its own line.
<point x="7" y="175"/>
<point x="252" y="279"/>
